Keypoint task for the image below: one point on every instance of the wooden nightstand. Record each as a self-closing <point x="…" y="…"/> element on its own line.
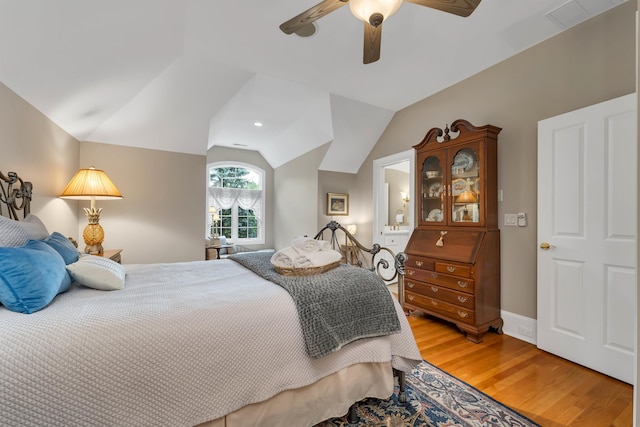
<point x="209" y="251"/>
<point x="349" y="254"/>
<point x="113" y="254"/>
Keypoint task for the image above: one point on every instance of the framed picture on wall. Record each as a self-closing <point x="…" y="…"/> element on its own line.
<point x="337" y="204"/>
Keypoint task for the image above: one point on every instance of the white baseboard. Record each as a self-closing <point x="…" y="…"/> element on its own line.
<point x="521" y="327"/>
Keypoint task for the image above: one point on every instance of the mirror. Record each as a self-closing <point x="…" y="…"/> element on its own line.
<point x="393" y="175"/>
<point x="397" y="180"/>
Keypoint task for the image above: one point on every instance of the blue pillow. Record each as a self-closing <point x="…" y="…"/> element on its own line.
<point x="31" y="276"/>
<point x="63" y="246"/>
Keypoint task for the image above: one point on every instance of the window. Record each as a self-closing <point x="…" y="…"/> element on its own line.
<point x="236" y="191"/>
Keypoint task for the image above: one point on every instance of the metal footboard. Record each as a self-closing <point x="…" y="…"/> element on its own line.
<point x="386" y="264"/>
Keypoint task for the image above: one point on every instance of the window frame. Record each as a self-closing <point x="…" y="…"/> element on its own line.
<point x="234" y="210"/>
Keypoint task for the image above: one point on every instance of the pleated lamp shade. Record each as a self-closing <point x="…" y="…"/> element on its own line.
<point x="91" y="183"/>
<point x="467" y="197"/>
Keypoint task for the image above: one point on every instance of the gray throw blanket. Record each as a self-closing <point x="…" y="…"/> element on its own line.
<point x="337" y="307"/>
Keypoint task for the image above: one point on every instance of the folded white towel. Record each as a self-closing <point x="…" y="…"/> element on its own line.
<point x="322" y="258"/>
<point x="282" y="258"/>
<point x="291" y="257"/>
<point x="306" y="244"/>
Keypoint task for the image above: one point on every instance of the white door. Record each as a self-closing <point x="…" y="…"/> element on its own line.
<point x="587" y="232"/>
<point x="395" y="240"/>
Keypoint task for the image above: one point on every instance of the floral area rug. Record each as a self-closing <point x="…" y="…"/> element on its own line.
<point x="434" y="398"/>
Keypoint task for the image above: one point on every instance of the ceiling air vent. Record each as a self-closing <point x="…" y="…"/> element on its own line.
<point x="574" y="12"/>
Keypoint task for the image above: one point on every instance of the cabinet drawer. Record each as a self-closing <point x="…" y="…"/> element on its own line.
<point x="452" y="282"/>
<point x="443" y="294"/>
<point x="392" y="240"/>
<point x="420" y="274"/>
<point x="453" y="312"/>
<point x="420" y="262"/>
<point x="455" y="269"/>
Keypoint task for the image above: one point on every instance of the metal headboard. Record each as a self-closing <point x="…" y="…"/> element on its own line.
<point x="15" y="195"/>
<point x="353" y="252"/>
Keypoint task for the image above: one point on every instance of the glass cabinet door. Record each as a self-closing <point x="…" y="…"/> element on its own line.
<point x="433" y="190"/>
<point x="465" y="186"/>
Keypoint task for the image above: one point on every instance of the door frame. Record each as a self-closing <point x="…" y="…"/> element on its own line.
<point x="378" y="188"/>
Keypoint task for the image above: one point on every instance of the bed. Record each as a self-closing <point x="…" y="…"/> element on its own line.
<point x="208" y="343"/>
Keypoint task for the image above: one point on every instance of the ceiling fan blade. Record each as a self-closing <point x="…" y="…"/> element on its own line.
<point x="462" y="8"/>
<point x="372" y="41"/>
<point x="310" y="15"/>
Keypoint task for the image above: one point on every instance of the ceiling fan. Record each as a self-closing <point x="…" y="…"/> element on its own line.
<point x="373" y="13"/>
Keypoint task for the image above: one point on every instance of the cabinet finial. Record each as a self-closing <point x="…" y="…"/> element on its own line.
<point x="446" y="136"/>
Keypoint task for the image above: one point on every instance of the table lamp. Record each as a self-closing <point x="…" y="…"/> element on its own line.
<point x="215" y="217"/>
<point x="352" y="229"/>
<point x="91" y="184"/>
<point x="466" y="197"/>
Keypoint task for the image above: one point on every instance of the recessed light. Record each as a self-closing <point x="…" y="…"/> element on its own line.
<point x="257" y="124"/>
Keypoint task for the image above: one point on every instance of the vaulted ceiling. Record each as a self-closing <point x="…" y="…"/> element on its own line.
<point x="185" y="75"/>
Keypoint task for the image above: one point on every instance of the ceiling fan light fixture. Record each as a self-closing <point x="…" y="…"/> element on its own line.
<point x="365" y="9"/>
<point x="372" y="13"/>
<point x="376" y="19"/>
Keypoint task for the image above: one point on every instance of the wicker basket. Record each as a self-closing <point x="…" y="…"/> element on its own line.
<point x="305" y="271"/>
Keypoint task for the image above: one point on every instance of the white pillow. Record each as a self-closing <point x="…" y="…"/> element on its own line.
<point x="97" y="272"/>
<point x="16" y="233"/>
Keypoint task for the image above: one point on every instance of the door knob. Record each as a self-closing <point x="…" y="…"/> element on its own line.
<point x="545" y="246"/>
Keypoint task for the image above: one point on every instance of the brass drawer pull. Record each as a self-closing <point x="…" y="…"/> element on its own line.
<point x="462" y="284"/>
<point x="410" y="297"/>
<point x="451" y="269"/>
<point x="419" y="263"/>
<point x="411" y="285"/>
<point x="463" y="314"/>
<point x="435" y="303"/>
<point x="410" y="272"/>
<point x="462" y="299"/>
<point x="434" y="275"/>
<point x="434" y="289"/>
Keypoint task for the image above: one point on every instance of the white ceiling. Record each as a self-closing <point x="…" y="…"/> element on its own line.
<point x="185" y="75"/>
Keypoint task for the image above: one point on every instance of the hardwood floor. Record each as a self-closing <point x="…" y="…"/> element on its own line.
<point x="545" y="388"/>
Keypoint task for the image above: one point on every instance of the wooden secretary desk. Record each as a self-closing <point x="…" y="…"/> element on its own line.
<point x="453" y="267"/>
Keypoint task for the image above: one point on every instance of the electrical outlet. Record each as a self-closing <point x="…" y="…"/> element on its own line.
<point x="510" y="220"/>
<point x="522" y="219"/>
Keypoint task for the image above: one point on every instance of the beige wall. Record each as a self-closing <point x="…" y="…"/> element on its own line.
<point x="219" y="154"/>
<point x="296" y="193"/>
<point x="296" y="197"/>
<point x="39" y="151"/>
<point x="163" y="214"/>
<point x="337" y="182"/>
<point x="590" y="63"/>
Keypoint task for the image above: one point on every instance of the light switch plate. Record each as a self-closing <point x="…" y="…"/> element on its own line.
<point x="510" y="220"/>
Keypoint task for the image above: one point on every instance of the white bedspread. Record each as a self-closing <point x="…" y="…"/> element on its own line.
<point x="182" y="344"/>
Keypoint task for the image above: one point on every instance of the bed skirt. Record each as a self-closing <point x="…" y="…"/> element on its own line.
<point x="327" y="398"/>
